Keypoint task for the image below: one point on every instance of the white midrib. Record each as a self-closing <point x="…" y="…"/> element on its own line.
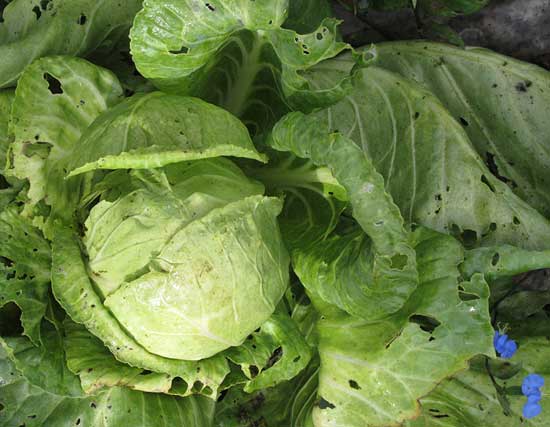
<point x="238" y="94"/>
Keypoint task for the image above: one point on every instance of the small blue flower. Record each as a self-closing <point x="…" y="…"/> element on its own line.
<point x="531" y="410"/>
<point x="505" y="347"/>
<point x="531" y="384"/>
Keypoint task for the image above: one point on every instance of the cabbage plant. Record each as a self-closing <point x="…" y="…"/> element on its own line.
<point x="218" y="213"/>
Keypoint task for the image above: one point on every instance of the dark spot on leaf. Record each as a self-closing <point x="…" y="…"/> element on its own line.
<point x="523" y="86"/>
<point x="495" y="259"/>
<point x="93" y="405"/>
<point x="353" y="384"/>
<point x="325" y="404"/>
<point x="296" y="359"/>
<point x="463" y="121"/>
<point x="516" y="220"/>
<point x="54" y="85"/>
<point x="81" y="19"/>
<point x="438" y="197"/>
<point x="210" y="7"/>
<point x="416" y="115"/>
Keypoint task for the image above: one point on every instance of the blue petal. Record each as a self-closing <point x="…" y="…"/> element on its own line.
<point x="501" y="342"/>
<point x="509" y="349"/>
<point x="495" y="338"/>
<point x="531" y="410"/>
<point x="534" y="397"/>
<point x="533" y="380"/>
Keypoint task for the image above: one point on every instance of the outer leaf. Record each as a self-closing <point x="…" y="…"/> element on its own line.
<point x="25" y="281"/>
<point x="43" y="366"/>
<point x="426" y="158"/>
<point x="500" y="102"/>
<point x="286" y="405"/>
<point x="24" y="246"/>
<point x="28" y="405"/>
<point x="505" y="261"/>
<point x="56" y="99"/>
<point x="394" y="274"/>
<point x="156" y="129"/>
<point x="6" y="99"/>
<point x="277" y="353"/>
<point x="97" y="368"/>
<point x="75" y="293"/>
<point x="373" y="373"/>
<point x="469" y="399"/>
<point x="36" y="28"/>
<point x="182" y="57"/>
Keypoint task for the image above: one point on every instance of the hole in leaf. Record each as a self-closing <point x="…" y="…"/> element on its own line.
<point x="495" y="259"/>
<point x="296" y="359"/>
<point x="399" y="261"/>
<point x="181" y="51"/>
<point x="325" y="404"/>
<point x="319" y="36"/>
<point x="207" y="391"/>
<point x="210" y="7"/>
<point x="353" y="384"/>
<point x="516" y="220"/>
<point x="465" y="296"/>
<point x="37" y="12"/>
<point x="463" y="121"/>
<point x="179" y="386"/>
<point x="492" y="165"/>
<point x="44" y="4"/>
<point x="274" y="358"/>
<point x="54" y="85"/>
<point x="426" y="323"/>
<point x="10" y="320"/>
<point x="197" y="386"/>
<point x="222" y="395"/>
<point x="81" y="19"/>
<point x="254" y="371"/>
<point x="77" y="422"/>
<point x="487" y="183"/>
<point x="469" y="238"/>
